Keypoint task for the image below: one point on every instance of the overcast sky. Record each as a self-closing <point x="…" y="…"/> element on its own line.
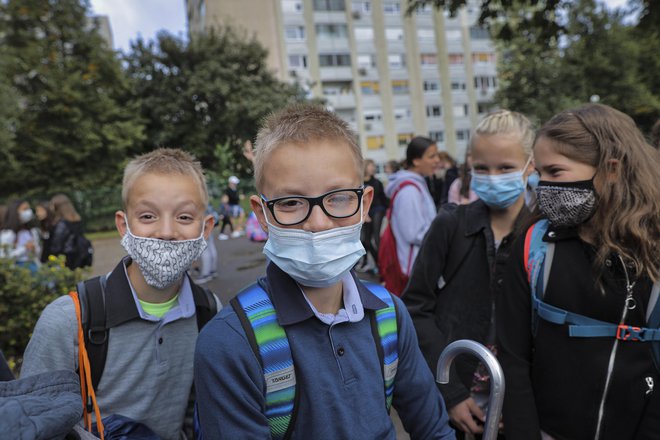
<point x="131" y="18"/>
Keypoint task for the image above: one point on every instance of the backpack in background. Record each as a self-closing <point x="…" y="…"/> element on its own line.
<point x="78" y="249"/>
<point x="389" y="266"/>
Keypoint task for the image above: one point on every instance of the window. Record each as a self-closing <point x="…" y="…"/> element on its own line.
<point x="457" y="85"/>
<point x="425" y="35"/>
<point x="400" y="87"/>
<point x="460" y="110"/>
<point x="366" y="61"/>
<point x="485" y="82"/>
<point x="363" y="7"/>
<point x="364" y="33"/>
<point x="396" y="61"/>
<point x="294" y="33"/>
<point x="401" y="114"/>
<point x="391" y="8"/>
<point x="455" y="58"/>
<point x="483" y="57"/>
<point x="482" y="108"/>
<point x="429" y="59"/>
<point x="373" y="116"/>
<point x="292" y="6"/>
<point x="298" y="61"/>
<point x="433" y="111"/>
<point x="329" y="5"/>
<point x="404" y="139"/>
<point x="335" y="60"/>
<point x="394" y="34"/>
<point x="438" y="136"/>
<point x="479" y="33"/>
<point x="453" y="36"/>
<point x="329" y="30"/>
<point x="431" y="85"/>
<point x="462" y="135"/>
<point x="370" y="87"/>
<point x="375" y="142"/>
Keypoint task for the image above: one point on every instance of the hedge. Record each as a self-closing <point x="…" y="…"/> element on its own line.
<point x="23" y="295"/>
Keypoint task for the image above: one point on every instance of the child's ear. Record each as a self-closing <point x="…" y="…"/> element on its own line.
<point x="209" y="224"/>
<point x="367" y="198"/>
<point x="255" y="204"/>
<point x="120" y="222"/>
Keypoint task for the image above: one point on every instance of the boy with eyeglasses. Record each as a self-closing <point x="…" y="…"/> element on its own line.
<point x="309" y="351"/>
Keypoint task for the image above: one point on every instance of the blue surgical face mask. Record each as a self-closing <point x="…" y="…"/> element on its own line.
<point x="314" y="259"/>
<point x="533" y="180"/>
<point x="499" y="191"/>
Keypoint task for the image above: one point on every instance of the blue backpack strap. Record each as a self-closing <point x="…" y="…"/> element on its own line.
<point x="387" y="336"/>
<point x="579" y="326"/>
<point x="271" y="346"/>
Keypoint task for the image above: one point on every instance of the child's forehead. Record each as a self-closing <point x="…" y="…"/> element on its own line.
<point x="158" y="185"/>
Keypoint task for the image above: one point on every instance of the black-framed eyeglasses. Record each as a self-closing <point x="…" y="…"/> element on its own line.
<point x="291" y="210"/>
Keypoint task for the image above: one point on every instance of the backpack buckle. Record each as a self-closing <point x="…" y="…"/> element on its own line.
<point x="629" y="333"/>
<point x="96" y="331"/>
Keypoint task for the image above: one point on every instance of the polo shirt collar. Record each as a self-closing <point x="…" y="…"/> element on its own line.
<point x="290" y="303"/>
<point x="120" y="304"/>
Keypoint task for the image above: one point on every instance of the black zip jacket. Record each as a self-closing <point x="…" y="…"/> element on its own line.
<point x="556" y="383"/>
<point x="460" y="248"/>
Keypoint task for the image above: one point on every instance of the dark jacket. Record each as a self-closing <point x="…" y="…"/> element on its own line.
<point x="459" y="247"/>
<point x="380" y="201"/>
<point x="60" y="243"/>
<point x="555" y="382"/>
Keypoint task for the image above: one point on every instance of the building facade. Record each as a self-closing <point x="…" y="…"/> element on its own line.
<point x="391" y="75"/>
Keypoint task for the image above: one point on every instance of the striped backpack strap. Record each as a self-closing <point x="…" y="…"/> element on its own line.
<point x="385" y="330"/>
<point x="271" y="346"/>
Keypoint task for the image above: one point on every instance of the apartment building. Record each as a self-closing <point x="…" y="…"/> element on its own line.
<point x="391" y="75"/>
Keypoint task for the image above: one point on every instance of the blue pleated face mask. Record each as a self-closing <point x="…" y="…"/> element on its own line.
<point x="502" y="190"/>
<point x="314" y="259"/>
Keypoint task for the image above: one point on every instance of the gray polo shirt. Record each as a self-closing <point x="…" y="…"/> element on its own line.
<point x="149" y="366"/>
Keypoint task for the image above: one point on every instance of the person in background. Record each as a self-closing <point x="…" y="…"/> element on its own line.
<point x="45" y="218"/>
<point x="19" y="237"/>
<point x="208" y="262"/>
<point x="224" y="218"/>
<point x="450" y="174"/>
<point x="68" y="226"/>
<point x="460" y="191"/>
<point x="458" y="272"/>
<point x="370" y="234"/>
<point x="236" y="212"/>
<point x="5" y="242"/>
<point x="599" y="205"/>
<point x="391" y="167"/>
<point x="412" y="207"/>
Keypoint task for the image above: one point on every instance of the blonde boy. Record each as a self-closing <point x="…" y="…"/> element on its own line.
<point x="152" y="308"/>
<point x="308" y="170"/>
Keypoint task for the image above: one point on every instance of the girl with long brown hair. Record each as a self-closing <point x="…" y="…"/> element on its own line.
<point x="600" y="195"/>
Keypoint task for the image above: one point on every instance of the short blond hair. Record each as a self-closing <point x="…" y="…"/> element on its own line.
<point x="507" y="122"/>
<point x="163" y="161"/>
<point x="300" y="124"/>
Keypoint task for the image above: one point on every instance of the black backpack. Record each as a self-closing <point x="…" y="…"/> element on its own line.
<point x="78" y="249"/>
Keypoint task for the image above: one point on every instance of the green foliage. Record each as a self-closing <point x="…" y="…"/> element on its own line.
<point x="75" y="121"/>
<point x="207" y="96"/>
<point x="23" y="296"/>
<point x="600" y="57"/>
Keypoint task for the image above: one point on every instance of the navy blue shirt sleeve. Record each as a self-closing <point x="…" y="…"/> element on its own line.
<point x="416" y="398"/>
<point x="229" y="382"/>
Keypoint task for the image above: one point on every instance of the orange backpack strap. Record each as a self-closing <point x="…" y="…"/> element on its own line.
<point x="84" y="371"/>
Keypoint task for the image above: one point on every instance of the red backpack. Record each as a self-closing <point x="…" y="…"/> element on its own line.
<point x="389" y="266"/>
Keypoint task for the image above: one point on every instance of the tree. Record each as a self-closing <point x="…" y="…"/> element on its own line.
<point x="599" y="57"/>
<point x="207" y="96"/>
<point x="74" y="122"/>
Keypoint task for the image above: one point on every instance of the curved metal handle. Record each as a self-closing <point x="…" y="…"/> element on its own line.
<point x="496" y="399"/>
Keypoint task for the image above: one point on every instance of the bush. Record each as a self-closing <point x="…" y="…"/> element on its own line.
<point x="23" y="296"/>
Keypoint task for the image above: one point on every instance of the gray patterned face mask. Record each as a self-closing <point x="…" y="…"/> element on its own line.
<point x="162" y="262"/>
<point x="566" y="204"/>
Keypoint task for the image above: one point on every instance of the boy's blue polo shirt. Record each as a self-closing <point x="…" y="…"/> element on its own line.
<point x="337" y="368"/>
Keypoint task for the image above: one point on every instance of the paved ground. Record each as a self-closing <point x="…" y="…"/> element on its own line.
<point x="240" y="263"/>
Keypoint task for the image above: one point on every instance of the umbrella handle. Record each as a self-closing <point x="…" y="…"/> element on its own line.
<point x="496" y="398"/>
